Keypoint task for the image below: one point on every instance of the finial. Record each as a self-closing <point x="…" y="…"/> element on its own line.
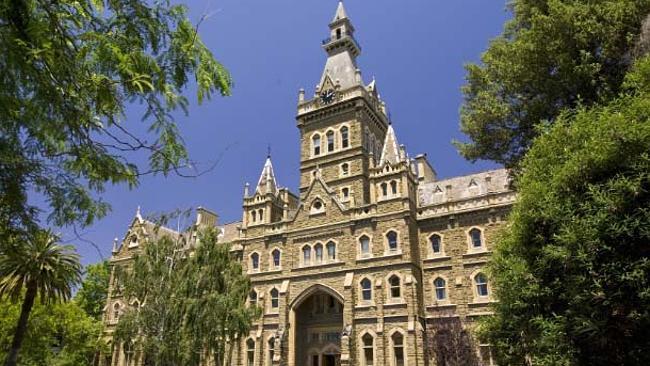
<point x="115" y="245"/>
<point x="137" y="213"/>
<point x="268" y="151"/>
<point x="246" y="190"/>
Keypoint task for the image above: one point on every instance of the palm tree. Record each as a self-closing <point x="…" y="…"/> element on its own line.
<point x="37" y="266"/>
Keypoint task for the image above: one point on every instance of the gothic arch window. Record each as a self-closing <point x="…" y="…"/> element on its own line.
<point x="384" y="190"/>
<point x="255" y="262"/>
<point x="481" y="283"/>
<point x="391" y="241"/>
<point x="475" y="236"/>
<point x="276" y="258"/>
<point x="393" y="187"/>
<point x="330" y="141"/>
<point x="435" y="242"/>
<point x="366" y="290"/>
<point x="117" y="311"/>
<point x="275" y="299"/>
<point x="364" y="246"/>
<point x="394" y="287"/>
<point x="397" y="348"/>
<point x="345" y="137"/>
<point x="368" y="349"/>
<point x="250" y="352"/>
<point x="315" y="144"/>
<point x="331" y="251"/>
<point x="261" y="214"/>
<point x="338" y="33"/>
<point x="318" y="253"/>
<point x="345" y="169"/>
<point x="252" y="298"/>
<point x="306" y="255"/>
<point x="271" y="350"/>
<point x="440" y="286"/>
<point x="254" y="215"/>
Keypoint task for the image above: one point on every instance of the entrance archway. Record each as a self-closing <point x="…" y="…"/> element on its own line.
<point x="317" y="322"/>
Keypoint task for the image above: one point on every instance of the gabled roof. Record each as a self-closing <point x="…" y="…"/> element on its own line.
<point x="340" y="13"/>
<point x="267" y="183"/>
<point x="391" y="151"/>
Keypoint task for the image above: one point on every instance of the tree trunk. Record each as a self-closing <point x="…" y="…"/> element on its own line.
<point x="21" y="327"/>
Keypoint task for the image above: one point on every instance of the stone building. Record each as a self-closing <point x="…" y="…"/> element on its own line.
<point x="374" y="261"/>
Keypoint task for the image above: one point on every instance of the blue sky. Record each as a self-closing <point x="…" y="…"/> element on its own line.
<point x="416" y="49"/>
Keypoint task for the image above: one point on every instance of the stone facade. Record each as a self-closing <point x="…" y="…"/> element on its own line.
<point x="375" y="261"/>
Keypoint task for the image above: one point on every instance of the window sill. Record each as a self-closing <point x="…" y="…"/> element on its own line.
<point x="477" y="253"/>
<point x="321" y="265"/>
<point x="381" y="257"/>
<point x="396" y="304"/>
<point x="439" y="258"/>
<point x="480" y="302"/>
<point x="365" y="306"/>
<point x="441" y="305"/>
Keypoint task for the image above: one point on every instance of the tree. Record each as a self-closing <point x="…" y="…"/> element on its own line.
<point x="69" y="69"/>
<point x="189" y="307"/>
<point x="59" y="334"/>
<point x="572" y="271"/>
<point x="553" y="55"/>
<point x="91" y="297"/>
<point x="37" y="267"/>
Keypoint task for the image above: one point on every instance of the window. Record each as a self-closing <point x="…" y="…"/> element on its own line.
<point x="338" y="33"/>
<point x="368" y="349"/>
<point x="398" y="349"/>
<point x="364" y="245"/>
<point x="436" y="241"/>
<point x="250" y="352"/>
<point x="318" y="251"/>
<point x="315" y="143"/>
<point x="261" y="214"/>
<point x="366" y="290"/>
<point x="271" y="346"/>
<point x="255" y="262"/>
<point x="476" y="237"/>
<point x="345" y="138"/>
<point x="393" y="187"/>
<point x="330" y="141"/>
<point x="481" y="285"/>
<point x="306" y="255"/>
<point x="128" y="352"/>
<point x="345" y="194"/>
<point x="254" y="216"/>
<point x="391" y="237"/>
<point x="345" y="169"/>
<point x="441" y="289"/>
<point x="384" y="189"/>
<point x="317" y="207"/>
<point x="252" y="298"/>
<point x="116" y="312"/>
<point x="133" y="241"/>
<point x="395" y="288"/>
<point x="276" y="258"/>
<point x="275" y="299"/>
<point x="331" y="251"/>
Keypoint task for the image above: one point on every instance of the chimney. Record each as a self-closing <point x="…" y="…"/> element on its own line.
<point x="206" y="218"/>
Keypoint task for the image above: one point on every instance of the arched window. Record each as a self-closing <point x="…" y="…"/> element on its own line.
<point x="481" y="285"/>
<point x="276" y="258"/>
<point x="393" y="187"/>
<point x="128" y="353"/>
<point x="395" y="287"/>
<point x="345" y="193"/>
<point x="117" y="311"/>
<point x="345" y="169"/>
<point x="436" y="243"/>
<point x="330" y="141"/>
<point x="441" y="288"/>
<point x="261" y="214"/>
<point x="338" y="33"/>
<point x="398" y="349"/>
<point x="318" y="253"/>
<point x="252" y="298"/>
<point x="255" y="261"/>
<point x="254" y="216"/>
<point x="306" y="255"/>
<point x="384" y="189"/>
<point x="250" y="352"/>
<point x="315" y="143"/>
<point x="391" y="237"/>
<point x="345" y="138"/>
<point x="275" y="298"/>
<point x="331" y="251"/>
<point x="476" y="237"/>
<point x="317" y="207"/>
<point x="271" y="348"/>
<point x="364" y="245"/>
<point x="366" y="290"/>
<point x="368" y="350"/>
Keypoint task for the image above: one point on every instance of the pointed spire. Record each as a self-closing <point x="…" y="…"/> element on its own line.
<point x="340" y="13"/>
<point x="138" y="215"/>
<point x="391" y="151"/>
<point x="267" y="183"/>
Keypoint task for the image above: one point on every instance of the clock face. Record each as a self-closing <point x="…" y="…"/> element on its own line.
<point x="327" y="96"/>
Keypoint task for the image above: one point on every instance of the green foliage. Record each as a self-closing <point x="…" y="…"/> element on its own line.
<point x="553" y="55"/>
<point x="57" y="335"/>
<point x="572" y="272"/>
<point x="190" y="304"/>
<point x="92" y="295"/>
<point x="69" y="69"/>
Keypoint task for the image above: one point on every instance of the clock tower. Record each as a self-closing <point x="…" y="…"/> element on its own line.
<point x="343" y="123"/>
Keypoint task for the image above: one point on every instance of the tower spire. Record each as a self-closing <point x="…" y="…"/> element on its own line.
<point x="392" y="151"/>
<point x="340" y="13"/>
<point x="266" y="183"/>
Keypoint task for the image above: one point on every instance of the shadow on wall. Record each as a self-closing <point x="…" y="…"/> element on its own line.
<point x="452" y="344"/>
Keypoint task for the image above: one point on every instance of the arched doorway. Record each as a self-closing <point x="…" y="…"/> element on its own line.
<point x="317" y="323"/>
